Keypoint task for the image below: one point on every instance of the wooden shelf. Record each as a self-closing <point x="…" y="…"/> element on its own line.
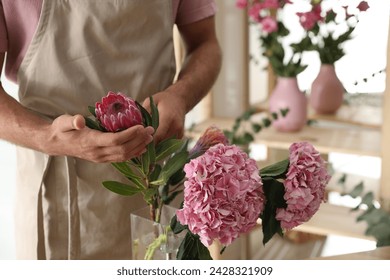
<point x="361" y="111"/>
<point x="336" y="220"/>
<point x="366" y="142"/>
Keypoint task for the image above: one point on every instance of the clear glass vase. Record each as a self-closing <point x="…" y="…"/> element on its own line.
<point x="151" y="240"/>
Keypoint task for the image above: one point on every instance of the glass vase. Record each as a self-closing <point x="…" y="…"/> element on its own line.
<point x="151" y="240"/>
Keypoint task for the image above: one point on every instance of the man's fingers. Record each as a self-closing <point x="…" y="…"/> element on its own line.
<point x="78" y="122"/>
<point x="67" y="123"/>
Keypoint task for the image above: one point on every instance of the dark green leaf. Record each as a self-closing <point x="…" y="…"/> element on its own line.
<point x="91" y="109"/>
<point x="171" y="167"/>
<point x="368" y="199"/>
<point x="256" y="127"/>
<point x="276" y="170"/>
<point x="172" y="196"/>
<point x="126" y="170"/>
<point x="120" y="188"/>
<point x="155" y="114"/>
<point x="274" y="192"/>
<point x="192" y="249"/>
<point x="176" y="226"/>
<point x="155" y="173"/>
<point x="167" y="148"/>
<point x="93" y="124"/>
<point x="146" y="117"/>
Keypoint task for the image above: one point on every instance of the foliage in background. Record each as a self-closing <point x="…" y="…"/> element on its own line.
<point x="377" y="219"/>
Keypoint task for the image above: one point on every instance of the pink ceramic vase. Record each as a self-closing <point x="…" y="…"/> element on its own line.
<point x="287" y="95"/>
<point x="327" y="91"/>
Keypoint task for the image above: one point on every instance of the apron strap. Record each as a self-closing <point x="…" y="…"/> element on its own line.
<point x="73" y="212"/>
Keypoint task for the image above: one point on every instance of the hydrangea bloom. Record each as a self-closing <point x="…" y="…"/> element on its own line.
<point x="304" y="185"/>
<point x="223" y="195"/>
<point x="117" y="112"/>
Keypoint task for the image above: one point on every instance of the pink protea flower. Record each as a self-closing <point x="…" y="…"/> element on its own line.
<point x="304" y="185"/>
<point x="223" y="195"/>
<point x="117" y="112"/>
<point x="212" y="136"/>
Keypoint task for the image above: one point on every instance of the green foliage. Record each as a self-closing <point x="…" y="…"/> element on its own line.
<point x="376" y="218"/>
<point x="245" y="128"/>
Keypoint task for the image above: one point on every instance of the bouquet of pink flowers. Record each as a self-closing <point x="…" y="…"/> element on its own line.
<point x="225" y="193"/>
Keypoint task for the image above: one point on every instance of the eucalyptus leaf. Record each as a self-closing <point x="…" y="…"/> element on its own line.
<point x="357" y="190"/>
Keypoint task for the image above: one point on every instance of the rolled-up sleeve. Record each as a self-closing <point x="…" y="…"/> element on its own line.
<point x="190" y="11"/>
<point x="3" y="31"/>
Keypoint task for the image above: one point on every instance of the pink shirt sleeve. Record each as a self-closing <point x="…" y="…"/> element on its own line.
<point x="190" y="11"/>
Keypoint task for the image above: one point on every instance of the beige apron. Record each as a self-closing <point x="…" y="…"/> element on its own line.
<point x="81" y="50"/>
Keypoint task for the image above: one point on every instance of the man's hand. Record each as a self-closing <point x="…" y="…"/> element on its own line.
<point x="68" y="135"/>
<point x="171" y="114"/>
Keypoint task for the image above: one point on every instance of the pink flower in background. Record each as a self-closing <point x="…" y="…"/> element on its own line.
<point x="241" y="4"/>
<point x="363" y="6"/>
<point x="212" y="136"/>
<point x="304" y="185"/>
<point x="309" y="19"/>
<point x="117" y="112"/>
<point x="269" y="24"/>
<point x="223" y="195"/>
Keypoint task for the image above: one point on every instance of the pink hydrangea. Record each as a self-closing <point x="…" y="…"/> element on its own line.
<point x="117" y="112"/>
<point x="223" y="195"/>
<point x="304" y="185"/>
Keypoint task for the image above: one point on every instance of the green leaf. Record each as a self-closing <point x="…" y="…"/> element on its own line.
<point x="168" y="147"/>
<point x="171" y="167"/>
<point x="171" y="197"/>
<point x="93" y="124"/>
<point x="126" y="170"/>
<point x="277" y="170"/>
<point x="176" y="226"/>
<point x="274" y="192"/>
<point x="155" y="115"/>
<point x="146" y="117"/>
<point x="368" y="199"/>
<point x="155" y="173"/>
<point x="120" y="188"/>
<point x="148" y="158"/>
<point x="357" y="190"/>
<point x="256" y="127"/>
<point x="91" y="109"/>
<point x="192" y="249"/>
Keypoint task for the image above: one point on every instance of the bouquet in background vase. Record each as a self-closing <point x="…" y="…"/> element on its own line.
<point x="225" y="193"/>
<point x="284" y="59"/>
<point x="268" y="16"/>
<point x="329" y="28"/>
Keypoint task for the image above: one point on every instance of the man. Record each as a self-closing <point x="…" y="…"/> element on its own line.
<point x="66" y="55"/>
